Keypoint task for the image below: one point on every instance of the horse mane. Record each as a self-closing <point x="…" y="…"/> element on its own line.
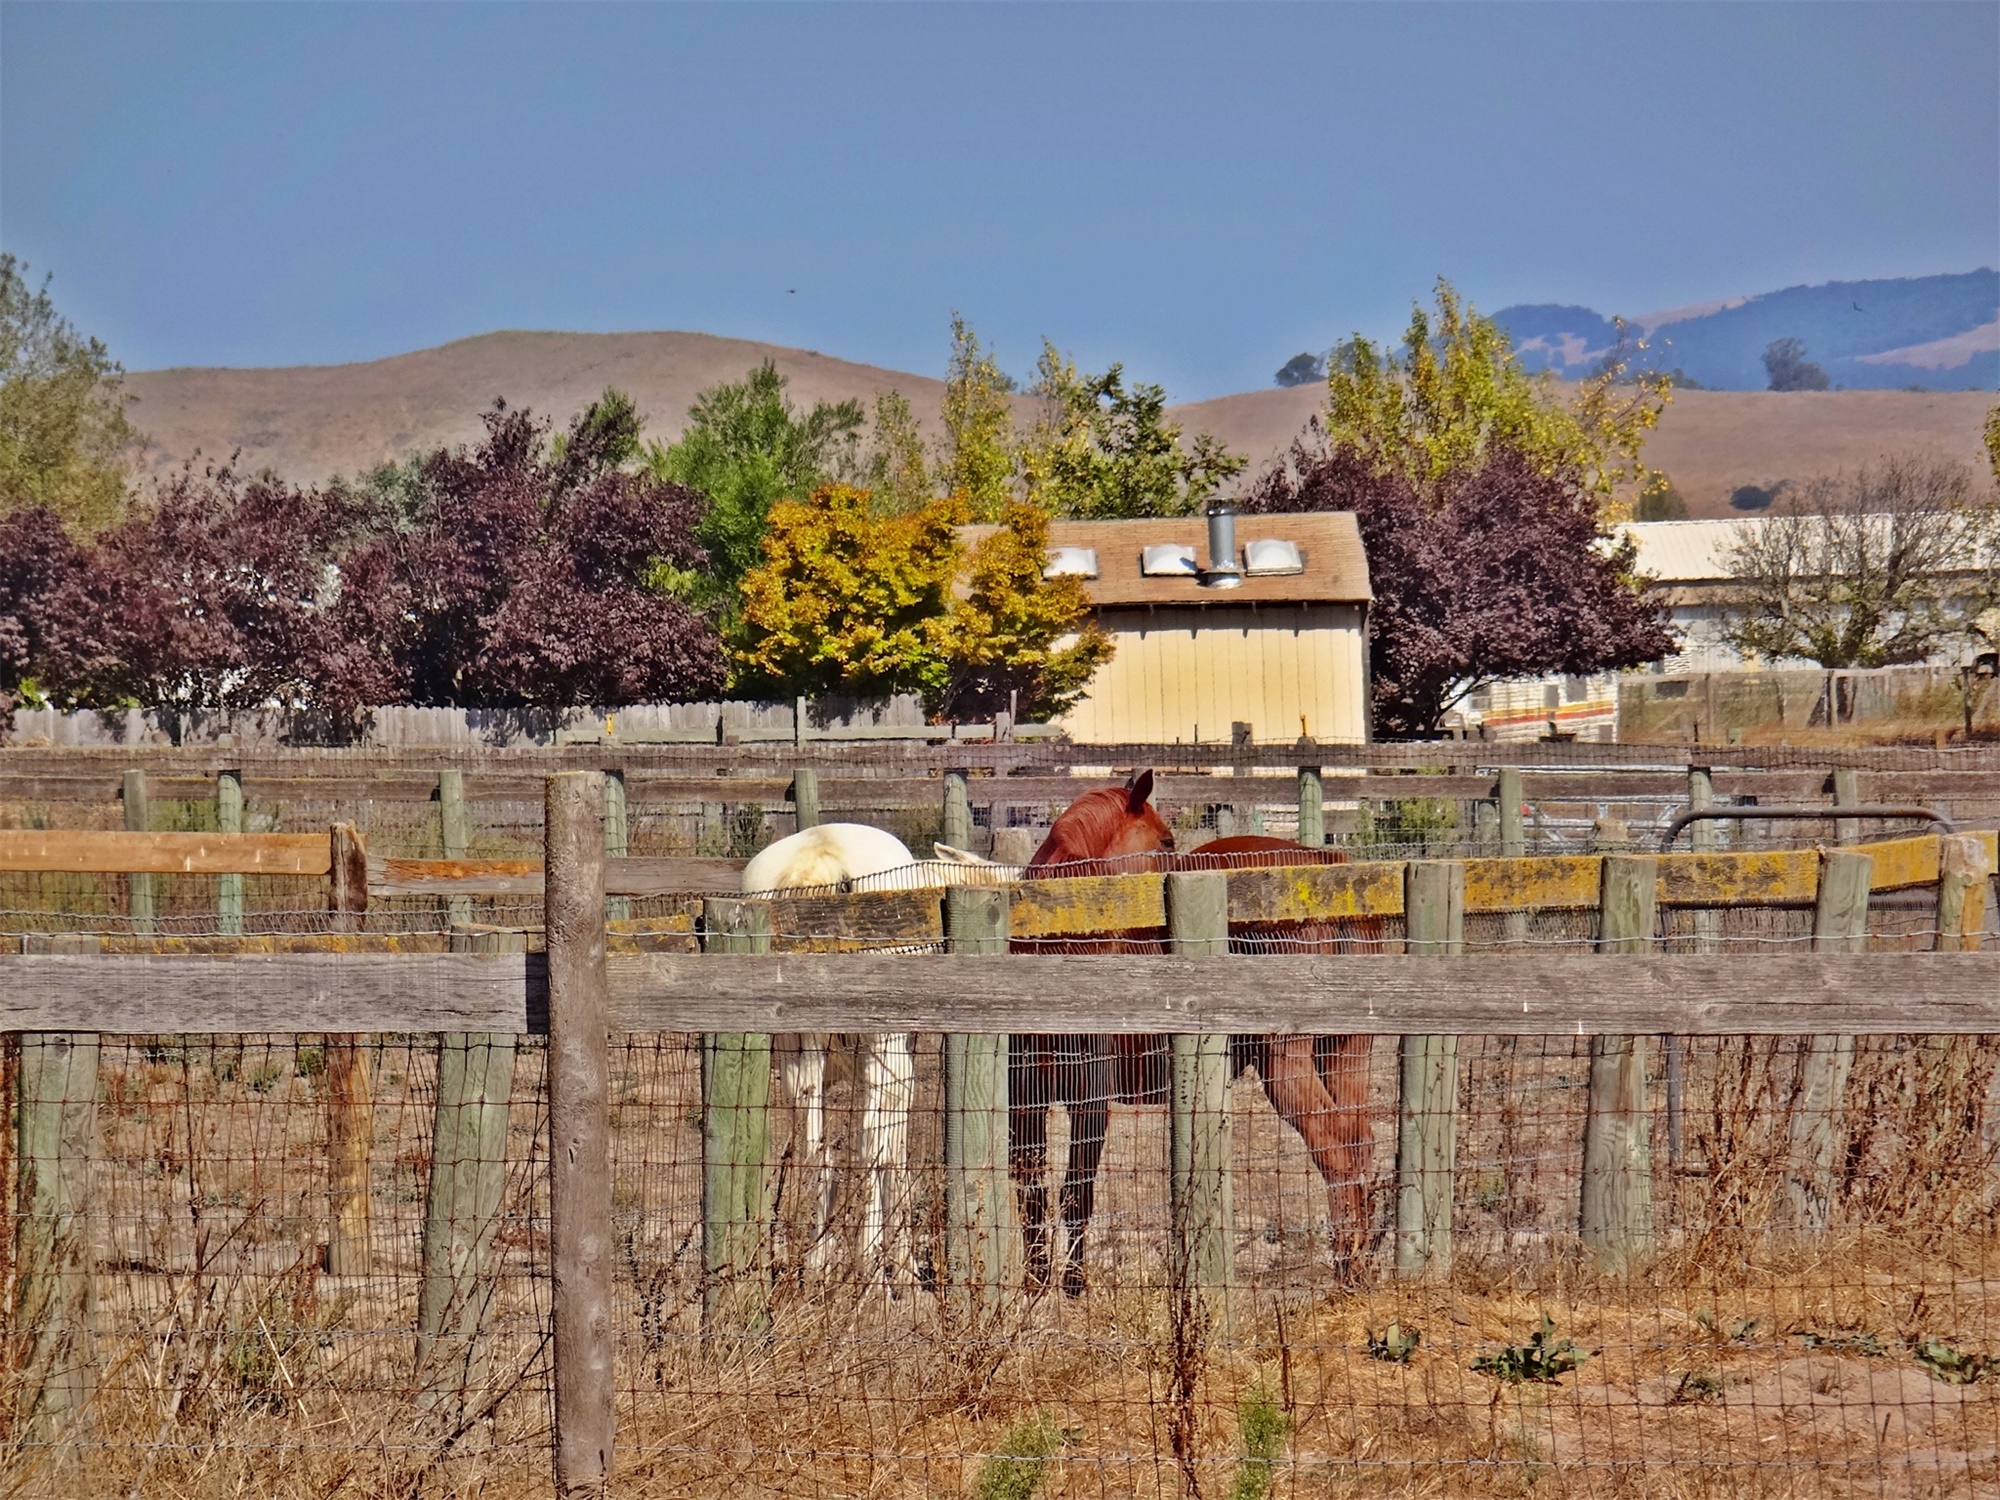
<point x="1087" y="827"/>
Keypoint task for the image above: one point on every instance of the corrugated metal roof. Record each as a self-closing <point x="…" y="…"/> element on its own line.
<point x="1694" y="552"/>
<point x="1329" y="543"/>
<point x="1685" y="551"/>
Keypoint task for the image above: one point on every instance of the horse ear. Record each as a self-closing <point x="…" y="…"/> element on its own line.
<point x="1139" y="791"/>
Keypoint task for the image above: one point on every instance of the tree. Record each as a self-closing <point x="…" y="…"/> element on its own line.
<point x="1104" y="452"/>
<point x="1786" y="363"/>
<point x="1015" y="640"/>
<point x="38" y="558"/>
<point x="1660" y="502"/>
<point x="978" y="458"/>
<point x="1993" y="442"/>
<point x="1302" y="369"/>
<point x="533" y="575"/>
<point x="210" y="598"/>
<point x="1455" y="393"/>
<point x="745" y="448"/>
<point x="852" y="600"/>
<point x="898" y="471"/>
<point x="1499" y="571"/>
<point x="1854" y="572"/>
<point x="63" y="429"/>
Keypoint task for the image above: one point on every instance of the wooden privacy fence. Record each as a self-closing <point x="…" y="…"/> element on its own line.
<point x="778" y="966"/>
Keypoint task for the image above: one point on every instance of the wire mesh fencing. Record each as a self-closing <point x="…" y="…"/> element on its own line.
<point x="1806" y="1303"/>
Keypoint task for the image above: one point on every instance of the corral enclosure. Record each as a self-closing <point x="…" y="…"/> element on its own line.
<point x="1766" y="1256"/>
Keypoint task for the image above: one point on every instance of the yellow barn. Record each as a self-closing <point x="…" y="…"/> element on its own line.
<point x="1274" y="638"/>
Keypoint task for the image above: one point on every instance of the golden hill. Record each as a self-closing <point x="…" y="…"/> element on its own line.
<point x="311" y="422"/>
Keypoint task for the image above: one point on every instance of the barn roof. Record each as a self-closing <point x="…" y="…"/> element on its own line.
<point x="1329" y="543"/>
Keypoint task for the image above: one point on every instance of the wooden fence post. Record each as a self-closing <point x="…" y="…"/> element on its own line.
<point x="978" y="1201"/>
<point x="455" y="826"/>
<point x="229" y="819"/>
<point x="1818" y="1124"/>
<point x="1513" y="844"/>
<point x="1312" y="808"/>
<point x="1964" y="878"/>
<point x="1846" y="793"/>
<point x="1203" y="1220"/>
<point x="138" y="888"/>
<point x="735" y="1142"/>
<point x="350" y="1105"/>
<point x="1707" y="939"/>
<point x="467" y="1188"/>
<point x="805" y="797"/>
<point x="1427" y="1114"/>
<point x="1616" y="1214"/>
<point x="957" y="811"/>
<point x="54" y="1249"/>
<point x="617" y="840"/>
<point x="579" y="1132"/>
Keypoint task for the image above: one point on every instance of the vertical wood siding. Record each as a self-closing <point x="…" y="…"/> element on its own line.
<point x="1183" y="674"/>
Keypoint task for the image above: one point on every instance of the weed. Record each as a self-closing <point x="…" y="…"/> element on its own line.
<point x="1396" y="1345"/>
<point x="1544" y="1358"/>
<point x="1694" y="1386"/>
<point x="1857" y="1341"/>
<point x="1263" y="1426"/>
<point x="1021" y="1462"/>
<point x="1953" y="1366"/>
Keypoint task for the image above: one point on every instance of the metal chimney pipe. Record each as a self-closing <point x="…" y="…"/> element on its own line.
<point x="1222" y="571"/>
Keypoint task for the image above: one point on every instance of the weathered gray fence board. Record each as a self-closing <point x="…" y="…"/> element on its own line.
<point x="1494" y="994"/>
<point x="1818" y="1115"/>
<point x="1427" y="1097"/>
<point x="580" y="1229"/>
<point x="462" y="1210"/>
<point x="980" y="1243"/>
<point x="1616" y="1212"/>
<point x="735" y="1142"/>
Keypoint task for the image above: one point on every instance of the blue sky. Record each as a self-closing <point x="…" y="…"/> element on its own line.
<point x="1199" y="191"/>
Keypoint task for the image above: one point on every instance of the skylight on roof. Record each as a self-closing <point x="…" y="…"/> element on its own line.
<point x="1168" y="560"/>
<point x="1268" y="557"/>
<point x="1071" y="562"/>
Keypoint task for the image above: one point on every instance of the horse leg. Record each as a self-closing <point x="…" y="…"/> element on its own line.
<point x="1328" y="1108"/>
<point x="1087" y="1096"/>
<point x="802" y="1069"/>
<point x="888" y="1082"/>
<point x="1028" y="1097"/>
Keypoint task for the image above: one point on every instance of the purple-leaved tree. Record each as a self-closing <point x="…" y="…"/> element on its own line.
<point x="1500" y="572"/>
<point x="527" y="574"/>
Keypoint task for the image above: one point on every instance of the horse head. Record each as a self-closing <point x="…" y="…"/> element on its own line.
<point x="1101" y="827"/>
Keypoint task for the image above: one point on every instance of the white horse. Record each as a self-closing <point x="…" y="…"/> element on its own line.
<point x="855" y="857"/>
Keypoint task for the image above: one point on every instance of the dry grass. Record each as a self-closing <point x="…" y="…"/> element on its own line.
<point x="1739" y="1359"/>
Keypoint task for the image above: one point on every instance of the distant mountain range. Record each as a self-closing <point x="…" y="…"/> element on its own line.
<point x="1938" y="332"/>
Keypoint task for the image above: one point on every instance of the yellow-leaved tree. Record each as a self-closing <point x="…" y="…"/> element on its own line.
<point x="1454" y="393"/>
<point x="853" y="601"/>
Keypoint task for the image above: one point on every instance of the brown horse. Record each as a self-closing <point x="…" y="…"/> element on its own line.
<point x="1318" y="1085"/>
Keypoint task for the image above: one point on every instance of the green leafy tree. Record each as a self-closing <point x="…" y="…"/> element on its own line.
<point x="899" y="470"/>
<point x="63" y="430"/>
<point x="746" y="447"/>
<point x="1103" y="451"/>
<point x="1454" y="393"/>
<point x="849" y="599"/>
<point x="979" y="447"/>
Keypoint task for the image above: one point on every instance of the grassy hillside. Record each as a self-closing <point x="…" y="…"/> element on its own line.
<point x="312" y="422"/>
